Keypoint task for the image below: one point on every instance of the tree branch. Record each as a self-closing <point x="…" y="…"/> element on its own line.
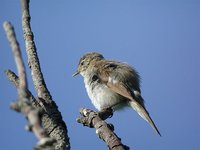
<point x="52" y="119"/>
<point x="17" y="54"/>
<point x="15" y="80"/>
<point x="31" y="50"/>
<point x="23" y="104"/>
<point x="105" y="132"/>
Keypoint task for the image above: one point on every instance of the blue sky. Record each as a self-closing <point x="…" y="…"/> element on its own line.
<point x="160" y="38"/>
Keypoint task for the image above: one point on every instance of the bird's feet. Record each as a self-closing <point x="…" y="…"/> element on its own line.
<point x="105" y="113"/>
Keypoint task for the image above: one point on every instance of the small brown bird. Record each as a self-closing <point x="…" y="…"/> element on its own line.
<point x="112" y="84"/>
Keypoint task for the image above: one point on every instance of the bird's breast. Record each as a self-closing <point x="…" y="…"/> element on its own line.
<point x="101" y="96"/>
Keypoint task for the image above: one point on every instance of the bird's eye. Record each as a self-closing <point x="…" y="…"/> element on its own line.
<point x="82" y="63"/>
<point x="94" y="77"/>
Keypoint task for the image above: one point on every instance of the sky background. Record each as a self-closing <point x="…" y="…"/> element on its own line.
<point x="160" y="38"/>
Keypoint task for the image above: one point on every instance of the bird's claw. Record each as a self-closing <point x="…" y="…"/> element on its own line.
<point x="105" y="113"/>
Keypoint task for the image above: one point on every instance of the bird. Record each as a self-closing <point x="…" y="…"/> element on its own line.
<point x="112" y="84"/>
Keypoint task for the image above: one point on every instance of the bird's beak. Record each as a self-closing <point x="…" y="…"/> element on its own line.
<point x="76" y="73"/>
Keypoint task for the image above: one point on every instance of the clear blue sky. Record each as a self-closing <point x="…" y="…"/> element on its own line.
<point x="160" y="38"/>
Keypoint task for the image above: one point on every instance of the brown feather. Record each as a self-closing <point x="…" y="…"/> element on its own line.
<point x="121" y="79"/>
<point x="116" y="83"/>
<point x="140" y="109"/>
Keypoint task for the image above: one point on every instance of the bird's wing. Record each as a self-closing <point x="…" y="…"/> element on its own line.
<point x="135" y="102"/>
<point x="117" y="81"/>
<point x="134" y="98"/>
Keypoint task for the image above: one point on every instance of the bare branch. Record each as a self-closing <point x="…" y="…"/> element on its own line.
<point x="92" y="119"/>
<point x="17" y="54"/>
<point x="23" y="104"/>
<point x="52" y="119"/>
<point x="31" y="50"/>
<point x="15" y="80"/>
<point x="12" y="77"/>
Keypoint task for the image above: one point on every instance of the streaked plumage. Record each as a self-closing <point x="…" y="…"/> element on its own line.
<point x="112" y="84"/>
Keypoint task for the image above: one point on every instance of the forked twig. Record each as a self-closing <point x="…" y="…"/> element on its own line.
<point x="23" y="103"/>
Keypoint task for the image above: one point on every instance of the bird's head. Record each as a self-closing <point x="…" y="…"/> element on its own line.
<point x="87" y="60"/>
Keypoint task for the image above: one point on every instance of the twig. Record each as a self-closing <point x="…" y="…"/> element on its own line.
<point x="105" y="132"/>
<point x="33" y="59"/>
<point x="17" y="54"/>
<point x="15" y="80"/>
<point x="23" y="104"/>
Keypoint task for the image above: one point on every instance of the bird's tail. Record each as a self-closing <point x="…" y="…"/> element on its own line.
<point x="144" y="114"/>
